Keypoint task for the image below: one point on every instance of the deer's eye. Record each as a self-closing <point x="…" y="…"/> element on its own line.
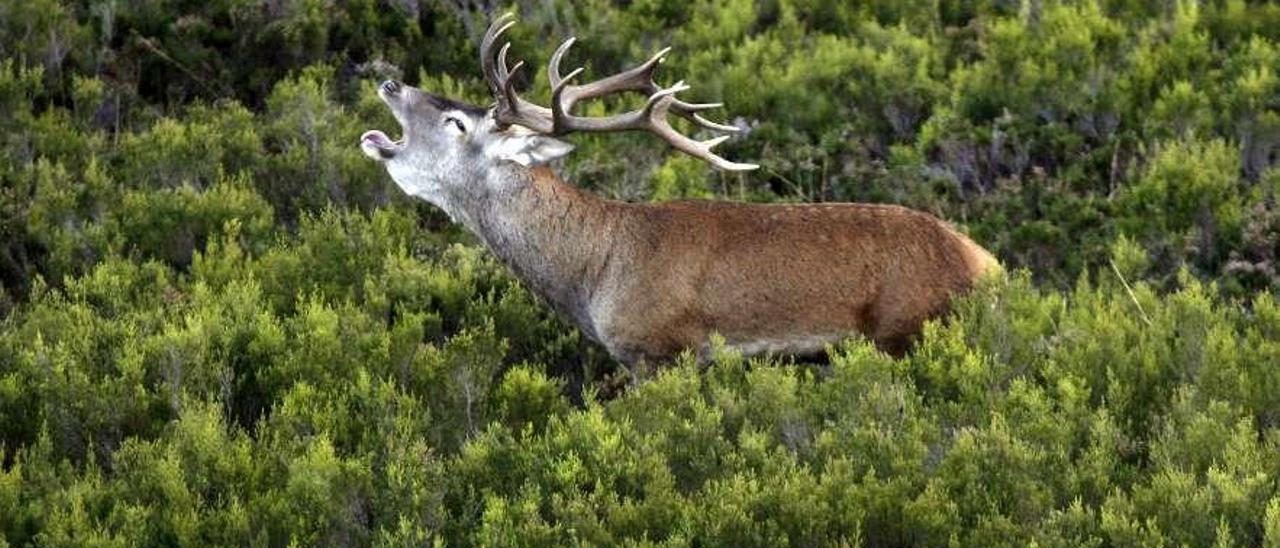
<point x="462" y="128"/>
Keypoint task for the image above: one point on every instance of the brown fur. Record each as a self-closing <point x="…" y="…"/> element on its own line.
<point x="660" y="278"/>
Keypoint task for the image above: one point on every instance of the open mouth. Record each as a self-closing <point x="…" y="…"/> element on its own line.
<point x="375" y="143"/>
<point x="378" y="146"/>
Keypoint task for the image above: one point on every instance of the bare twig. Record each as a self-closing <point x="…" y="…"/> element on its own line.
<point x="153" y="48"/>
<point x="1146" y="319"/>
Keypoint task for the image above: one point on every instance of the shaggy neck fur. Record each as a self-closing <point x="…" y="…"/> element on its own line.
<point x="552" y="235"/>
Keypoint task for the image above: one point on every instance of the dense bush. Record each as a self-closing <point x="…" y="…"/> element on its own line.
<point x="195" y="410"/>
<point x="221" y="325"/>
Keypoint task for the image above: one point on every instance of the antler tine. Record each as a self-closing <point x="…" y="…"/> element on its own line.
<point x="655" y="121"/>
<point x="503" y="73"/>
<point x="689" y="111"/>
<point x="705" y="123"/>
<point x="699" y="107"/>
<point x="508" y="88"/>
<point x="709" y="143"/>
<point x="559" y="115"/>
<point x="487" y="60"/>
<point x="553" y="66"/>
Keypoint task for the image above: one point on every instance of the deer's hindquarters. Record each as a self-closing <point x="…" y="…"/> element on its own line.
<point x="787" y="279"/>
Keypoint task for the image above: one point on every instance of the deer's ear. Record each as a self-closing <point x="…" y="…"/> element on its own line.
<point x="528" y="148"/>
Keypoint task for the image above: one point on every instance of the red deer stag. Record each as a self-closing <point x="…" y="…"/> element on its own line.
<point x="647" y="281"/>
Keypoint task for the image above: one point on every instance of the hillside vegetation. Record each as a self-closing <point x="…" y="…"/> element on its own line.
<point x="221" y="325"/>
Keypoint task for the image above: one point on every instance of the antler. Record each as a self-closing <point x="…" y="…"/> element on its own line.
<point x="559" y="120"/>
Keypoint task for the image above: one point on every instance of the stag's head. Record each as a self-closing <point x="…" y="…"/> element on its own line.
<point x="447" y="142"/>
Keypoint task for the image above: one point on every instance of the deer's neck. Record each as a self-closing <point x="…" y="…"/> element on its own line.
<point x="552" y="235"/>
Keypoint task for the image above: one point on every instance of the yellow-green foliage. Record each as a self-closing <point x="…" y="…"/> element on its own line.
<point x="221" y="325"/>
